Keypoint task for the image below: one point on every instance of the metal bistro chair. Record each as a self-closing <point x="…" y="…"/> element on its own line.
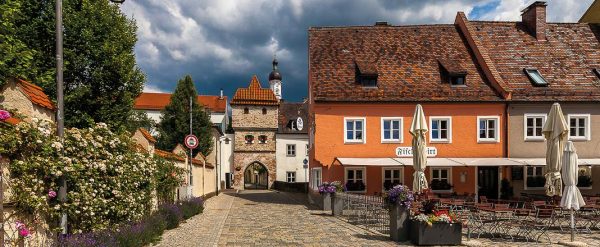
<point x="543" y="221"/>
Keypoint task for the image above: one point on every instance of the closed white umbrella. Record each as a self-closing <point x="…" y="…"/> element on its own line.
<point x="418" y="128"/>
<point x="571" y="198"/>
<point x="556" y="132"/>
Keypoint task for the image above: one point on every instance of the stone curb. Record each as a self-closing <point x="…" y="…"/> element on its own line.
<point x="573" y="244"/>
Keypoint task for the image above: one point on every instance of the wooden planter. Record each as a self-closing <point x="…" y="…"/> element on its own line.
<point x="436" y="234"/>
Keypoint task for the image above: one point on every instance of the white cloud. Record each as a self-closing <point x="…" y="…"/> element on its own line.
<point x="153" y="89"/>
<point x="557" y="10"/>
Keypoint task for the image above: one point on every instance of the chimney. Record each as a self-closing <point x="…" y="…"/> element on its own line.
<point x="221" y="94"/>
<point x="534" y="18"/>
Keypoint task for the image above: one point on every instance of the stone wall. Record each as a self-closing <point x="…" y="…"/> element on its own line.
<point x="254" y="118"/>
<point x="241" y="145"/>
<point x="242" y="159"/>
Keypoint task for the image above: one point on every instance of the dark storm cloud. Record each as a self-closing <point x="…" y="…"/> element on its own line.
<point x="222" y="43"/>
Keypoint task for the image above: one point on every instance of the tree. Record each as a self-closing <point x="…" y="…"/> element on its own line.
<point x="100" y="72"/>
<point x="175" y="121"/>
<point x="139" y="119"/>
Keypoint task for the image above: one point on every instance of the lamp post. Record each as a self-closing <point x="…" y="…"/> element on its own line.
<point x="62" y="192"/>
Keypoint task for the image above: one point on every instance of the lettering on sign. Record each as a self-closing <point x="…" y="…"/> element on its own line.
<point x="407" y="152"/>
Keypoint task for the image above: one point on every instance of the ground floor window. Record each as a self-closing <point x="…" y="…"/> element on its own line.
<point x="315" y="178"/>
<point x="355" y="179"/>
<point x="392" y="177"/>
<point x="584" y="177"/>
<point x="291" y="177"/>
<point x="534" y="177"/>
<point x="440" y="178"/>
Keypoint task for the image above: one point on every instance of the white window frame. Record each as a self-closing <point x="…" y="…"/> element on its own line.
<point x="533" y="115"/>
<point x="391" y="168"/>
<point x="440" y="140"/>
<point x="287" y="150"/>
<point x="316" y="181"/>
<point x="526" y="176"/>
<point x="400" y="134"/>
<point x="588" y="129"/>
<point x="287" y="176"/>
<point x="364" y="130"/>
<point x="497" y="128"/>
<point x="364" y="177"/>
<point x="449" y="169"/>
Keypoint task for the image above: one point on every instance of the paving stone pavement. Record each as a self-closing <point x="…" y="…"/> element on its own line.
<point x="271" y="218"/>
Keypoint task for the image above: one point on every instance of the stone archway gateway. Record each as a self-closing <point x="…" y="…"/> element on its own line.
<point x="256" y="176"/>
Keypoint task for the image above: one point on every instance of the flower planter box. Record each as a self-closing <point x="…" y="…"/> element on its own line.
<point x="337" y="205"/>
<point x="399" y="223"/>
<point x="436" y="234"/>
<point x="326" y="201"/>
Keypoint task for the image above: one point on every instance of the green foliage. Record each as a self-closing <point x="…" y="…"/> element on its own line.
<point x="174" y="124"/>
<point x="506" y="191"/>
<point x="108" y="181"/>
<point x="100" y="72"/>
<point x="139" y="119"/>
<point x="168" y="177"/>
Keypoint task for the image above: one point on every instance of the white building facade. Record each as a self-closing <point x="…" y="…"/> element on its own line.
<point x="292" y="143"/>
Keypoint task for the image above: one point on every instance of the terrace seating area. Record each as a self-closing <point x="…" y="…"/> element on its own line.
<point x="524" y="219"/>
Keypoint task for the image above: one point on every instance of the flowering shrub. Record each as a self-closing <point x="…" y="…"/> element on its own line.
<point x="332" y="187"/>
<point x="401" y="195"/>
<point x="4" y="115"/>
<point x="140" y="233"/>
<point x="108" y="181"/>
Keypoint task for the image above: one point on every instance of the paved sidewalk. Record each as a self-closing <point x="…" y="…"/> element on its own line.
<point x="266" y="218"/>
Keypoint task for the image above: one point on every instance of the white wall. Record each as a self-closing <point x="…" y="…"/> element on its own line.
<point x="154" y="115"/>
<point x="295" y="163"/>
<point x="226" y="154"/>
<point x="219" y="118"/>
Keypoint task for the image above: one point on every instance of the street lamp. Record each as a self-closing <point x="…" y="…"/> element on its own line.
<point x="62" y="192"/>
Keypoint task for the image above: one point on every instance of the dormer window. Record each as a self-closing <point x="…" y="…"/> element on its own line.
<point x="249" y="139"/>
<point x="292" y="124"/>
<point x="452" y="72"/>
<point x="457" y="80"/>
<point x="366" y="73"/>
<point x="535" y="77"/>
<point x="597" y="73"/>
<point x="262" y="139"/>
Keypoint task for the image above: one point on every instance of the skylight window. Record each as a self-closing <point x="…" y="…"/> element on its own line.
<point x="597" y="72"/>
<point x="536" y="78"/>
<point x="457" y="80"/>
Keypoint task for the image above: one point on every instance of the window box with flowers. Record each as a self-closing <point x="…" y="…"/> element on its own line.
<point x="249" y="139"/>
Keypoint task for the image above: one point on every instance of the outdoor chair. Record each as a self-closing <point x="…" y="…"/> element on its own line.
<point x="502" y="205"/>
<point x="543" y="221"/>
<point x="483" y="199"/>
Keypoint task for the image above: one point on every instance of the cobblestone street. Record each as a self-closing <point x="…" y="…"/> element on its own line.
<point x="271" y="218"/>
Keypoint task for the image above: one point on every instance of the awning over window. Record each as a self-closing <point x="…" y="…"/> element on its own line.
<point x="445" y="162"/>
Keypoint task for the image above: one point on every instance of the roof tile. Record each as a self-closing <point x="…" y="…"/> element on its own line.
<point x="158" y="101"/>
<point x="254" y="95"/>
<point x="36" y="94"/>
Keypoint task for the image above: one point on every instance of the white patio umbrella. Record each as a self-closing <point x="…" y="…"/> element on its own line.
<point x="555" y="131"/>
<point x="571" y="198"/>
<point x="418" y="128"/>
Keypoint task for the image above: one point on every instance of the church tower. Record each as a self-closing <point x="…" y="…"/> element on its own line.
<point x="275" y="80"/>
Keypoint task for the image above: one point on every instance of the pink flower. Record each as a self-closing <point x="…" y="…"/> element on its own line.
<point x="51" y="193"/>
<point x="19" y="225"/>
<point x="4" y="115"/>
<point x="23" y="232"/>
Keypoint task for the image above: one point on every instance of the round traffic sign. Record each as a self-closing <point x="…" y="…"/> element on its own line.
<point x="191" y="141"/>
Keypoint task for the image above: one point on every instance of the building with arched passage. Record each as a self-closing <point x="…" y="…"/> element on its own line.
<point x="255" y="122"/>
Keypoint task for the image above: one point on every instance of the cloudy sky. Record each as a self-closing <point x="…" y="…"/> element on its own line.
<point x="222" y="43"/>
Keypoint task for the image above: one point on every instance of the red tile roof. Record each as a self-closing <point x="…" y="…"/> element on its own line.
<point x="147" y="135"/>
<point x="405" y="58"/>
<point x="36" y="94"/>
<point x="168" y="155"/>
<point x="566" y="59"/>
<point x="254" y="95"/>
<point x="158" y="101"/>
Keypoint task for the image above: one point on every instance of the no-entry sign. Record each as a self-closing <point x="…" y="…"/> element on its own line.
<point x="191" y="141"/>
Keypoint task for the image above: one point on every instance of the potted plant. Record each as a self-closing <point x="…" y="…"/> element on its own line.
<point x="399" y="198"/>
<point x="327" y="190"/>
<point x="435" y="227"/>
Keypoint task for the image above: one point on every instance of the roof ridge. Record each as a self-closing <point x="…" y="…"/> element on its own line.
<point x="30" y="84"/>
<point x="482" y="56"/>
<point x="390" y="26"/>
